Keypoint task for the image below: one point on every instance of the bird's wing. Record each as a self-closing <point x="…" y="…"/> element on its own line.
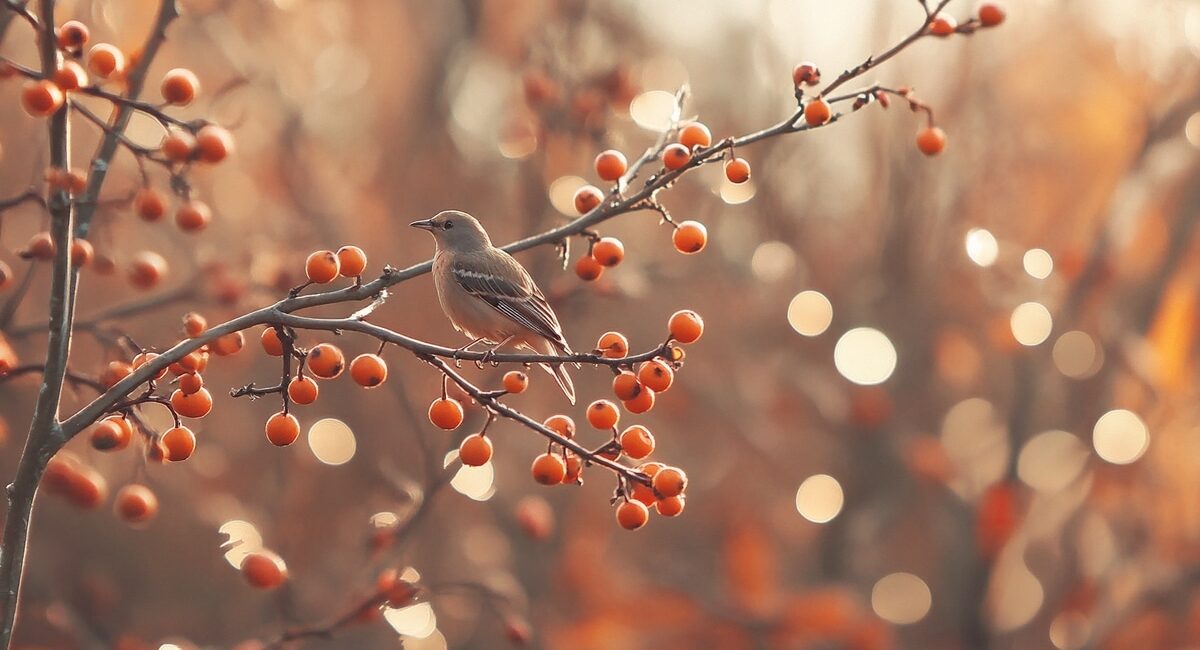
<point x="500" y="281"/>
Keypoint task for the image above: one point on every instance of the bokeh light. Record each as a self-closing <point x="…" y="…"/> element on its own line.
<point x="772" y="261"/>
<point x="1038" y="263"/>
<point x="982" y="247"/>
<point x="1051" y="460"/>
<point x="243" y="539"/>
<point x="332" y="441"/>
<point x="1120" y="437"/>
<point x="1031" y="323"/>
<point x="417" y="621"/>
<point x="976" y="441"/>
<point x="562" y="194"/>
<point x="1076" y="355"/>
<point x="477" y="483"/>
<point x="1070" y="630"/>
<point x="810" y="313"/>
<point x="653" y="110"/>
<point x="819" y="498"/>
<point x="901" y="598"/>
<point x="865" y="356"/>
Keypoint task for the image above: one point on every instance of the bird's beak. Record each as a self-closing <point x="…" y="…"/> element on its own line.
<point x="424" y="224"/>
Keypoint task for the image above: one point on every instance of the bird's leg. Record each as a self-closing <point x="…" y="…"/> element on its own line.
<point x="491" y="352"/>
<point x="458" y="351"/>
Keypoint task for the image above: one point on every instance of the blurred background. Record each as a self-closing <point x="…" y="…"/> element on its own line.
<point x="940" y="404"/>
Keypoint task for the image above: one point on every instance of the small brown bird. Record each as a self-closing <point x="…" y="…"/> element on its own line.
<point x="489" y="296"/>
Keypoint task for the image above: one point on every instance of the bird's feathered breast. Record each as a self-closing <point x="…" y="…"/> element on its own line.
<point x="499" y="280"/>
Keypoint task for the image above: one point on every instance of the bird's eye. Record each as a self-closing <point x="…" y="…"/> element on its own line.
<point x="448" y="225"/>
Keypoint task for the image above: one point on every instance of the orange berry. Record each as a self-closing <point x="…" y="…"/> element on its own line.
<point x="990" y="14"/>
<point x="213" y="143"/>
<point x="574" y="467"/>
<point x="611" y="165"/>
<point x="231" y="343"/>
<point x="657" y="375"/>
<point x="40" y="98"/>
<point x="686" y="326"/>
<point x="264" y="571"/>
<point x="675" y="156"/>
<point x="609" y="251"/>
<point x="642" y="402"/>
<point x="180" y="86"/>
<point x="87" y="489"/>
<point x="637" y="442"/>
<point x="549" y="469"/>
<point x="669" y="482"/>
<point x="643" y="494"/>
<point x="613" y="345"/>
<point x="563" y="425"/>
<point x="695" y="134"/>
<point x="446" y="413"/>
<point x="40" y="247"/>
<point x="302" y="390"/>
<point x="149" y="204"/>
<point x="271" y="343"/>
<point x="515" y="381"/>
<point x="670" y="506"/>
<point x="931" y="141"/>
<point x="81" y="252"/>
<point x="806" y="74"/>
<point x="70" y="76"/>
<point x="632" y="515"/>
<point x="110" y="435"/>
<point x="196" y="405"/>
<point x="351" y="261"/>
<point x="690" y="237"/>
<point x="194" y="324"/>
<point x="179" y="146"/>
<point x="282" y="429"/>
<point x="817" y="112"/>
<point x="142" y="359"/>
<point x="115" y="372"/>
<point x="136" y="503"/>
<point x="587" y="198"/>
<point x="943" y="25"/>
<point x="178" y="443"/>
<point x="626" y="385"/>
<point x="321" y="267"/>
<point x="588" y="269"/>
<point x="325" y="361"/>
<point x="475" y="450"/>
<point x="105" y="60"/>
<point x="603" y="414"/>
<point x="737" y="170"/>
<point x="193" y="216"/>
<point x="147" y="269"/>
<point x="191" y="383"/>
<point x="73" y="35"/>
<point x="368" y="370"/>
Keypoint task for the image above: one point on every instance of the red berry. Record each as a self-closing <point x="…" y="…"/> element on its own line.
<point x="611" y="165"/>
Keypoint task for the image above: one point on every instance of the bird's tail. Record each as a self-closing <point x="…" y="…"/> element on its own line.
<point x="558" y="371"/>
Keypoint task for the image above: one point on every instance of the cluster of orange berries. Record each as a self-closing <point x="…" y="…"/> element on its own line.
<point x="69" y="477"/>
<point x="189" y="400"/>
<point x="637" y="392"/>
<point x="325" y="266"/>
<point x="146" y="269"/>
<point x="690" y="237"/>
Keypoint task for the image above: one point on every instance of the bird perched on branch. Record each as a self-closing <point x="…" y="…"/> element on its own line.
<point x="489" y="296"/>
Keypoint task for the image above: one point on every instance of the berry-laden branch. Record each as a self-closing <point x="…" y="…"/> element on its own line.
<point x="638" y="378"/>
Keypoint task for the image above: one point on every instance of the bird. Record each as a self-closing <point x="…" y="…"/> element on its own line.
<point x="489" y="296"/>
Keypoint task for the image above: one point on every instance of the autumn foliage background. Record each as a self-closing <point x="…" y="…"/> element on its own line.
<point x="1071" y="130"/>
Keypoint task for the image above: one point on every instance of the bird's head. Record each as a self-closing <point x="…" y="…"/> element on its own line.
<point x="456" y="231"/>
